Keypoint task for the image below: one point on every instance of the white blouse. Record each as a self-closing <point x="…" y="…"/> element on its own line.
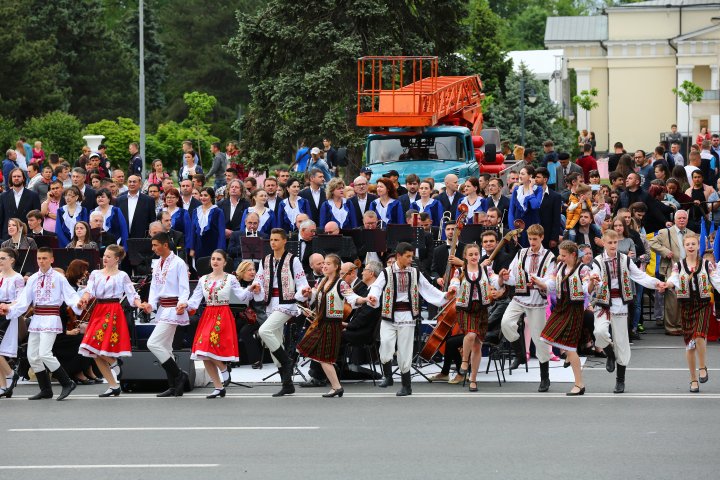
<point x="111" y="286"/>
<point x="11" y="287"/>
<point x="219" y="292"/>
<point x="45" y="289"/>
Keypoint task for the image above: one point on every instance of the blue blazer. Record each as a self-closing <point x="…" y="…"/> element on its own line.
<point x="394" y="212"/>
<point x="210" y="238"/>
<point x="435" y="209"/>
<point x="118" y="226"/>
<point x="63" y="233"/>
<point x="281" y="217"/>
<point x="530" y="214"/>
<point x="326" y="215"/>
<point x="265" y="228"/>
<point x="181" y="222"/>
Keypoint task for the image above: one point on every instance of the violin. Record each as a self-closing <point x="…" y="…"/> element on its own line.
<point x="446" y="318"/>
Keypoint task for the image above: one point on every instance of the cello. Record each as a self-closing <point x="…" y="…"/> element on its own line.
<point x="446" y="317"/>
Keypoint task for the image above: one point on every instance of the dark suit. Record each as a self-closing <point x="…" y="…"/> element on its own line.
<point x="29" y="200"/>
<point x="550" y="217"/>
<point x="144" y="215"/>
<point x="440" y="259"/>
<point x="177" y="243"/>
<point x="233" y="223"/>
<point x="447" y="205"/>
<point x="405" y="201"/>
<point x="89" y="199"/>
<point x="362" y="324"/>
<point x="44" y="233"/>
<point x="359" y="212"/>
<point x="503" y="205"/>
<point x="194" y="203"/>
<point x="314" y="209"/>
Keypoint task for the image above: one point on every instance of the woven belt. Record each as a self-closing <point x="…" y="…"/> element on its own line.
<point x="107" y="300"/>
<point x="402" y="307"/>
<point x="615" y="293"/>
<point x="47" y="310"/>
<point x="275" y="292"/>
<point x="168" y="302"/>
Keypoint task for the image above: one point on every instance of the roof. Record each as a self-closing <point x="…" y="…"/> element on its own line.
<point x="669" y="3"/>
<point x="576" y="29"/>
<point x="542" y="63"/>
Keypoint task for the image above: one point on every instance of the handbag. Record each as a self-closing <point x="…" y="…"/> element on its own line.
<point x="248" y="315"/>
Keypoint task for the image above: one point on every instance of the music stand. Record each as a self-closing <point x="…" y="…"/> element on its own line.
<point x="355" y="234"/>
<point x="27" y="261"/>
<point x="140" y="252"/>
<point x="63" y="257"/>
<point x="397" y="233"/>
<point x="374" y="240"/>
<point x="293" y="246"/>
<point x="252" y="248"/>
<point x="324" y="244"/>
<point x="471" y="234"/>
<point x="48" y="241"/>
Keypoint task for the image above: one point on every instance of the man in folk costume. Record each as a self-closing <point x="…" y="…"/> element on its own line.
<point x="280" y="283"/>
<point x="46" y="290"/>
<point x="612" y="275"/>
<point x="168" y="289"/>
<point x="399" y="290"/>
<point x="529" y="271"/>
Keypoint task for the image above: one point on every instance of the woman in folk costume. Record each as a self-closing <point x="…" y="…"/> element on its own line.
<point x="693" y="279"/>
<point x="336" y="208"/>
<point x="386" y="206"/>
<point x="322" y="339"/>
<point x="11" y="284"/>
<point x="114" y="221"/>
<point x="179" y="217"/>
<point x="291" y="207"/>
<point x="107" y="337"/>
<point x="216" y="340"/>
<point x="473" y="298"/>
<point x="425" y="203"/>
<point x="564" y="327"/>
<point x="472" y="198"/>
<point x="208" y="230"/>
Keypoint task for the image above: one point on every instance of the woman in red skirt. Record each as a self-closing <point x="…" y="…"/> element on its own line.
<point x="564" y="327"/>
<point x="693" y="279"/>
<point x="107" y="336"/>
<point x="322" y="338"/>
<point x="216" y="340"/>
<point x="473" y="298"/>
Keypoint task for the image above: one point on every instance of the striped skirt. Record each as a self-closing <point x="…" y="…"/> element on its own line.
<point x="564" y="326"/>
<point x="322" y="344"/>
<point x="474" y="320"/>
<point x="695" y="317"/>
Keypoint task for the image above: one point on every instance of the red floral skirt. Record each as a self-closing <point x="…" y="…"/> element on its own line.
<point x="107" y="332"/>
<point x="216" y="335"/>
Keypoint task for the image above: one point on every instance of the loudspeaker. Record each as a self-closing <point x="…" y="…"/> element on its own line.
<point x="144" y="368"/>
<point x="490" y="152"/>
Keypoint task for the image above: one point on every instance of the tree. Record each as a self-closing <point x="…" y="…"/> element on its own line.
<point x="60" y="132"/>
<point x="542" y="118"/>
<point x="688" y="93"/>
<point x="300" y="60"/>
<point x="586" y="101"/>
<point x="484" y="48"/>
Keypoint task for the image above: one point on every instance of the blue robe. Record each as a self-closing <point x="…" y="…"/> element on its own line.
<point x="266" y="227"/>
<point x="530" y="214"/>
<point x="281" y="217"/>
<point x="471" y="213"/>
<point x="63" y="233"/>
<point x="327" y="215"/>
<point x="210" y="238"/>
<point x="180" y="221"/>
<point x="117" y="225"/>
<point x="434" y="208"/>
<point x="395" y="214"/>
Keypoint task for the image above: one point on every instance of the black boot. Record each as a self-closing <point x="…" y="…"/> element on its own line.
<point x="406" y="388"/>
<point x="173" y="372"/>
<point x="8" y="393"/>
<point x="544" y="377"/>
<point x="610" y="365"/>
<point x="67" y="384"/>
<point x="285" y="370"/>
<point x="620" y="379"/>
<point x="519" y="355"/>
<point x="43" y="379"/>
<point x="387" y="380"/>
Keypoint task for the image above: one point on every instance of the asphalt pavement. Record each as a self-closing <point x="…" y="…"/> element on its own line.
<point x="656" y="430"/>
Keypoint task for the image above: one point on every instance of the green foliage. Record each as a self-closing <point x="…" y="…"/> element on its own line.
<point x="118" y="135"/>
<point x="586" y="101"/>
<point x="484" y="48"/>
<point x="170" y="136"/>
<point x="8" y="134"/>
<point x="542" y="118"/>
<point x="60" y="132"/>
<point x="688" y="93"/>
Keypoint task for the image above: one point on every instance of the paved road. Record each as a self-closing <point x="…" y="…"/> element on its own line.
<point x="656" y="430"/>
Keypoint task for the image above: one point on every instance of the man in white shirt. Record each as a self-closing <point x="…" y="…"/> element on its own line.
<point x="271" y="187"/>
<point x="675" y="152"/>
<point x="118" y="177"/>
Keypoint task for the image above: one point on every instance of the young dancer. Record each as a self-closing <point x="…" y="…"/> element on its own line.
<point x="11" y="284"/>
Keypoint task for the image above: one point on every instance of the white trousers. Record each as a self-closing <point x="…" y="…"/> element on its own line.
<point x="39" y="353"/>
<point x="271" y="331"/>
<point x="161" y="341"/>
<point x="535" y="321"/>
<point x="619" y="339"/>
<point x="403" y="336"/>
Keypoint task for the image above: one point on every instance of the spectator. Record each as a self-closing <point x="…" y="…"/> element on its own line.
<point x="157" y="176"/>
<point x="614" y="159"/>
<point x="9" y="163"/>
<point x="700" y="195"/>
<point x="658" y="212"/>
<point x="20" y="156"/>
<point x="17" y="201"/>
<point x="138" y="209"/>
<point x="587" y="162"/>
<point x="675" y="152"/>
<point x="18" y="238"/>
<point x="626" y="165"/>
<point x="318" y="163"/>
<point x="114" y="222"/>
<point x="208" y="230"/>
<point x="633" y="192"/>
<point x="702" y="136"/>
<point x="219" y="165"/>
<point x="118" y="177"/>
<point x="33" y="176"/>
<point x="38" y="154"/>
<point x="135" y="165"/>
<point x="43" y="184"/>
<point x="330" y="155"/>
<point x="190" y="168"/>
<point x="50" y="206"/>
<point x="301" y="158"/>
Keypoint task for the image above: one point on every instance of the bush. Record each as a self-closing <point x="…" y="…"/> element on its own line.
<point x="60" y="132"/>
<point x="170" y="136"/>
<point x="8" y="134"/>
<point x="118" y="136"/>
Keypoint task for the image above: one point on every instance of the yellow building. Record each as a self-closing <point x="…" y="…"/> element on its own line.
<point x="635" y="55"/>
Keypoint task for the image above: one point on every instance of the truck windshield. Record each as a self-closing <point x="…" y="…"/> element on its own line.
<point x="394" y="149"/>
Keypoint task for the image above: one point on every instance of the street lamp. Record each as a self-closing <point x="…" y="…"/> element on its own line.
<point x="532" y="97"/>
<point x="141" y="81"/>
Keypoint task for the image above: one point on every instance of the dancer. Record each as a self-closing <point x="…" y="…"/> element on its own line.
<point x="107" y="337"/>
<point x="564" y="327"/>
<point x="11" y="284"/>
<point x="693" y="279"/>
<point x="401" y="286"/>
<point x="169" y="290"/>
<point x="322" y="339"/>
<point x="46" y="290"/>
<point x="612" y="274"/>
<point x="280" y="283"/>
<point x="216" y="340"/>
<point x="528" y="272"/>
<point x="473" y="287"/>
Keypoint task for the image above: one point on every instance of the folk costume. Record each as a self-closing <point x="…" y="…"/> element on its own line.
<point x="10" y="289"/>
<point x="114" y="222"/>
<point x="473" y="300"/>
<point x="321" y="341"/>
<point x="208" y="231"/>
<point x="46" y="291"/>
<point x="693" y="288"/>
<point x="107" y="332"/>
<point x="614" y="292"/>
<point x="169" y="287"/>
<point x="216" y="335"/>
<point x="564" y="327"/>
<point x="343" y="216"/>
<point x="65" y="223"/>
<point x="433" y="208"/>
<point x="392" y="213"/>
<point x="399" y="292"/>
<point x="286" y="213"/>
